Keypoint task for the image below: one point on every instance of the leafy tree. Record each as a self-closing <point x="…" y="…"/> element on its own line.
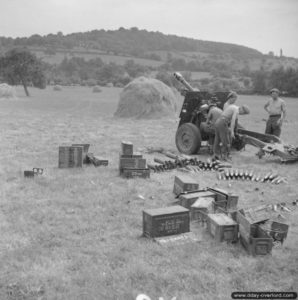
<point x="19" y="66"/>
<point x="259" y="81"/>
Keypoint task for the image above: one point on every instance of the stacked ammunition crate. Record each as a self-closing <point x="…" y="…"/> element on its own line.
<point x="200" y="209"/>
<point x="132" y="165"/>
<point x="224" y="202"/>
<point x="254" y="239"/>
<point x="222" y="228"/>
<point x="184" y="183"/>
<point x="71" y="156"/>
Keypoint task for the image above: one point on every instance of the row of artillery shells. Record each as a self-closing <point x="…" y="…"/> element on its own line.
<point x="272" y="178"/>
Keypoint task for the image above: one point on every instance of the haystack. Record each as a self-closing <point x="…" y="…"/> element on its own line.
<point x="57" y="88"/>
<point x="96" y="89"/>
<point x="146" y="98"/>
<point x="7" y="91"/>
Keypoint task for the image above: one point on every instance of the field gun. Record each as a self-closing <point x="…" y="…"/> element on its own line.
<point x="193" y="113"/>
<point x="190" y="133"/>
<point x="182" y="80"/>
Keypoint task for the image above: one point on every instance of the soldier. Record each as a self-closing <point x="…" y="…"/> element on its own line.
<point x="213" y="114"/>
<point x="276" y="108"/>
<point x="225" y="126"/>
<point x="231" y="99"/>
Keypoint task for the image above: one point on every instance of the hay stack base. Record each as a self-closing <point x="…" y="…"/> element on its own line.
<point x="96" y="89"/>
<point x="7" y="91"/>
<point x="146" y="98"/>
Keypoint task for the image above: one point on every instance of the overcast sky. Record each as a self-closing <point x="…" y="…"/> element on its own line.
<point x="266" y="25"/>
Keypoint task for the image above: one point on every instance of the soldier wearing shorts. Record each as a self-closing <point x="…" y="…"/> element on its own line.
<point x="276" y="108"/>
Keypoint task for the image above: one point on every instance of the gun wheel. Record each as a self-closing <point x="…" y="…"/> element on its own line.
<point x="188" y="138"/>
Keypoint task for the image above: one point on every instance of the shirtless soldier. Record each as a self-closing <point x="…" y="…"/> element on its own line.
<point x="276" y="108"/>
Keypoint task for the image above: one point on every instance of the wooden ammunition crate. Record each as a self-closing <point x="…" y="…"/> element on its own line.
<point x="276" y="229"/>
<point x="232" y="201"/>
<point x="85" y="151"/>
<point x="126" y="148"/>
<point x="200" y="209"/>
<point x="132" y="163"/>
<point x="187" y="200"/>
<point x="258" y="214"/>
<point x="184" y="183"/>
<point x="135" y="155"/>
<point x="219" y="205"/>
<point x="258" y="243"/>
<point x="232" y="213"/>
<point x="70" y="157"/>
<point x="97" y="161"/>
<point x="28" y="173"/>
<point x="165" y="221"/>
<point x="222" y="228"/>
<point x="136" y="173"/>
<point x="245" y="224"/>
<point x="250" y="217"/>
<point x="221" y="195"/>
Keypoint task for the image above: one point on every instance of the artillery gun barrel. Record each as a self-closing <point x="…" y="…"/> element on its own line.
<point x="181" y="79"/>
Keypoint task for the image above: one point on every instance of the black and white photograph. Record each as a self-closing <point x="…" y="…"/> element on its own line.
<point x="149" y="149"/>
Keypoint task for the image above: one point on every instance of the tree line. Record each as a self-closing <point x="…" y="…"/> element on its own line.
<point x="20" y="66"/>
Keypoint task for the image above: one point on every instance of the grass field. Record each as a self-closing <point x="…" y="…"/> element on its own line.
<point x="76" y="234"/>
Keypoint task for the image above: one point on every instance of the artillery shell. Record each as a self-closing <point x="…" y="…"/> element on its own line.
<point x="231" y="174"/>
<point x="251" y="174"/>
<point x="223" y="176"/>
<point x="285" y="208"/>
<point x="272" y="177"/>
<point x="236" y="174"/>
<point x="273" y="181"/>
<point x="183" y="170"/>
<point x="282" y="179"/>
<point x="195" y="169"/>
<point x="219" y="176"/>
<point x="278" y="181"/>
<point x="266" y="177"/>
<point x="246" y="175"/>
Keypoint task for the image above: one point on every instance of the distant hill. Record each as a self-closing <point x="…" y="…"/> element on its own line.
<point x="133" y="42"/>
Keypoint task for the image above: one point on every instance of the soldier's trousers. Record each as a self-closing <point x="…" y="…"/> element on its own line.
<point x="209" y="129"/>
<point x="222" y="136"/>
<point x="272" y="127"/>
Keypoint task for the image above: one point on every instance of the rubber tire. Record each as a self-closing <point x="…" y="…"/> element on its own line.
<point x="188" y="138"/>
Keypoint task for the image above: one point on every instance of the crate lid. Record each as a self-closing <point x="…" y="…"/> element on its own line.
<point x="203" y="203"/>
<point x="219" y="191"/>
<point x="166" y="210"/>
<point x="185" y="178"/>
<point x="129" y="169"/>
<point x="126" y="142"/>
<point x="222" y="219"/>
<point x="202" y="194"/>
<point x="257" y="214"/>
